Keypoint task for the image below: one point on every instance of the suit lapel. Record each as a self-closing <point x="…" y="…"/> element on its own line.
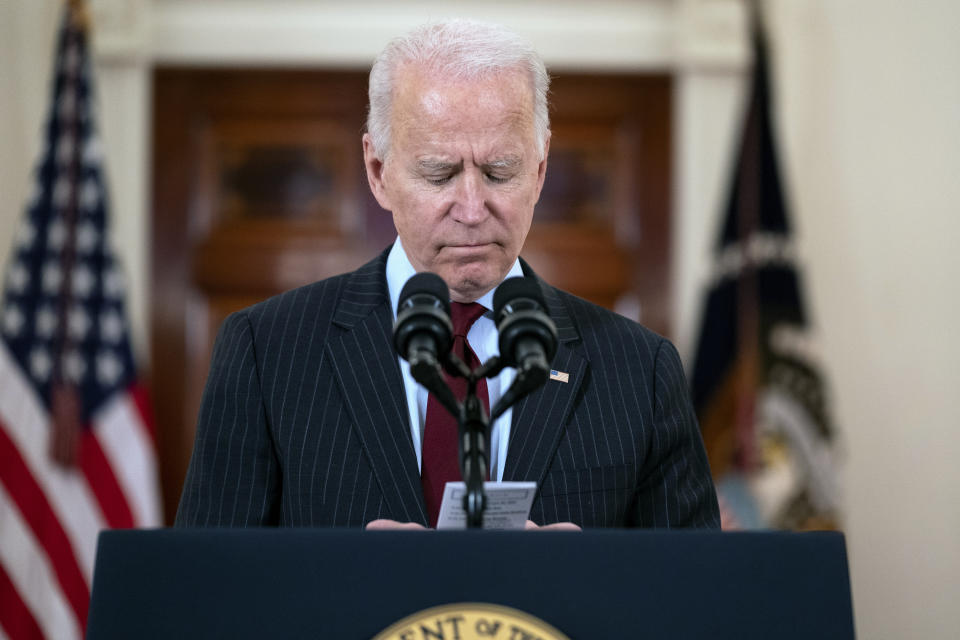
<point x="540" y="419"/>
<point x="366" y="366"/>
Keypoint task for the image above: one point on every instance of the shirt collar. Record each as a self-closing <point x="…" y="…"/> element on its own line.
<point x="399" y="270"/>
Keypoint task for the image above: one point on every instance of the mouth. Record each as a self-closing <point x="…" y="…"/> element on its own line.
<point x="470" y="252"/>
<point x="470" y="245"/>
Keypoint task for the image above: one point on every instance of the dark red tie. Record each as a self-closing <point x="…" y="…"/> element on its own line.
<point x="440" y="455"/>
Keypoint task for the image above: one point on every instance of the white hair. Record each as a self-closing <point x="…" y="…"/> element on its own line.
<point x="460" y="49"/>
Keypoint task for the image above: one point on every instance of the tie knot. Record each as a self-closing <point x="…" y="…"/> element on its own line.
<point x="463" y="315"/>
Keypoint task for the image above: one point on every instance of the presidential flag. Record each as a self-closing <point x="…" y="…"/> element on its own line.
<point x="77" y="452"/>
<point x="756" y="384"/>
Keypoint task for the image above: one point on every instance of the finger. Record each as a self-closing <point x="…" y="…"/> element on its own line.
<point x="561" y="526"/>
<point x="556" y="526"/>
<point x="392" y="525"/>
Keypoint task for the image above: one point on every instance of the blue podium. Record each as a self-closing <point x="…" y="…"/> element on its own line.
<point x="345" y="584"/>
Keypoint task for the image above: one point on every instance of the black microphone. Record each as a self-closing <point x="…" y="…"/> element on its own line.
<point x="423" y="333"/>
<point x="528" y="337"/>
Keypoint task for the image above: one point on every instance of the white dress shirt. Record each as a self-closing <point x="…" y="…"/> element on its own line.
<point x="483" y="339"/>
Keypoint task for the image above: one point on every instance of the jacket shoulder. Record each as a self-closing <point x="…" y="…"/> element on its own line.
<point x="317" y="299"/>
<point x="598" y="327"/>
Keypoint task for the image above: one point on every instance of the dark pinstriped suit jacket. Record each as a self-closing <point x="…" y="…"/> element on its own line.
<point x="304" y="420"/>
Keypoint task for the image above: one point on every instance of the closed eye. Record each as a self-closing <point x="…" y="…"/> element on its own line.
<point x="503" y="169"/>
<point x="437" y="172"/>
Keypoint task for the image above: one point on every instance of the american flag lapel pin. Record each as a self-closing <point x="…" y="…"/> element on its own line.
<point x="559" y="376"/>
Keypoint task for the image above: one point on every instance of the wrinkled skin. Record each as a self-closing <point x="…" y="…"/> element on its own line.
<point x="462" y="175"/>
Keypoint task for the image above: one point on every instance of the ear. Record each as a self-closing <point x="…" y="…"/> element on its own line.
<point x="375" y="171"/>
<point x="542" y="167"/>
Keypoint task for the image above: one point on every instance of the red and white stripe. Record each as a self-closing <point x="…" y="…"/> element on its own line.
<point x="50" y="517"/>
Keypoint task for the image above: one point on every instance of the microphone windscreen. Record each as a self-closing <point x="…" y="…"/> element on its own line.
<point x="429" y="284"/>
<point x="513" y="289"/>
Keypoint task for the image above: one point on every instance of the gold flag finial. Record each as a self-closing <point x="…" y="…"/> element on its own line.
<point x="79" y="13"/>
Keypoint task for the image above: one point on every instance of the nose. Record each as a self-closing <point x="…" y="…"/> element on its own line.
<point x="470" y="207"/>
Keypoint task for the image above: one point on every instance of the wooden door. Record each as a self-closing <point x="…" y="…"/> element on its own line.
<point x="259" y="186"/>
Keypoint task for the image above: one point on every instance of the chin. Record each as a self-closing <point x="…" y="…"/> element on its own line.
<point x="470" y="286"/>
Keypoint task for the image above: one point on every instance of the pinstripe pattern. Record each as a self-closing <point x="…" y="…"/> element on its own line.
<point x="304" y="420"/>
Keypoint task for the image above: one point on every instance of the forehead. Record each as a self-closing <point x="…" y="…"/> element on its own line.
<point x="435" y="108"/>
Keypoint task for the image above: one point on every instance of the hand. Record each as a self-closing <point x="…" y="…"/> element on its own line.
<point x="556" y="526"/>
<point x="393" y="525"/>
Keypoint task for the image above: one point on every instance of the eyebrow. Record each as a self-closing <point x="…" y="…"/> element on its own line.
<point x="509" y="162"/>
<point x="431" y="165"/>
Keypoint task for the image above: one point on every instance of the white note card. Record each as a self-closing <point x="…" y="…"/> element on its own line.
<point x="508" y="505"/>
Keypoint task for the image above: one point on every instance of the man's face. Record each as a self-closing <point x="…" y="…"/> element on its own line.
<point x="462" y="175"/>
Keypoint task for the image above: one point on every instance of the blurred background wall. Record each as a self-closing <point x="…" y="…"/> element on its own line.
<point x="868" y="98"/>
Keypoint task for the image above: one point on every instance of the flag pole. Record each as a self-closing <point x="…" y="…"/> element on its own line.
<point x="65" y="404"/>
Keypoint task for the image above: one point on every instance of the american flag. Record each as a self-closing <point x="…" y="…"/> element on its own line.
<point x="77" y="450"/>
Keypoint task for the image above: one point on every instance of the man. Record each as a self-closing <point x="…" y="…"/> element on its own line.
<point x="310" y="419"/>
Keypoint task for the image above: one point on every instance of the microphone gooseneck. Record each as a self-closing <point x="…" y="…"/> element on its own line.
<point x="423" y="332"/>
<point x="528" y="338"/>
<point x="423" y="336"/>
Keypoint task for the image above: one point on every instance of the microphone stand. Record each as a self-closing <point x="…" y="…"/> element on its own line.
<point x="474" y="425"/>
<point x="423" y="331"/>
<point x="472" y="420"/>
<point x="474" y="430"/>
